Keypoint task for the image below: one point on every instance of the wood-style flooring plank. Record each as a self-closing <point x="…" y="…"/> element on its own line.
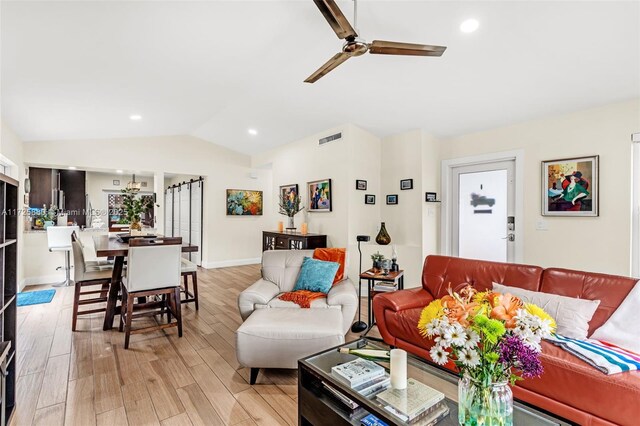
<point x="49" y="416"/>
<point x="259" y="410"/>
<point x="79" y="409"/>
<point x="115" y="417"/>
<point x="54" y="385"/>
<point x="198" y="407"/>
<point x="179" y="420"/>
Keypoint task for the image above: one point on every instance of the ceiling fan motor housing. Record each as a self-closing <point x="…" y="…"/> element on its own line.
<point x="355" y="46"/>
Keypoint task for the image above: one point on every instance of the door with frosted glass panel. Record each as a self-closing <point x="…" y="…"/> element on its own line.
<point x="483" y="210"/>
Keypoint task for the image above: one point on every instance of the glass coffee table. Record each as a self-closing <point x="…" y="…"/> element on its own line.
<point x="316" y="406"/>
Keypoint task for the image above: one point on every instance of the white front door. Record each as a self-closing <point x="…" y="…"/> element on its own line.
<point x="483" y="211"/>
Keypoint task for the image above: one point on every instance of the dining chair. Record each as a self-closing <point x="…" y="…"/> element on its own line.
<point x="88" y="274"/>
<point x="153" y="269"/>
<point x="59" y="240"/>
<point x="189" y="269"/>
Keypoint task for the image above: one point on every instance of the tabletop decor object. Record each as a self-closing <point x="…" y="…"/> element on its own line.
<point x="377" y="260"/>
<point x="398" y="368"/>
<point x="494" y="340"/>
<point x="133" y="207"/>
<point x="383" y="237"/>
<point x="290" y="203"/>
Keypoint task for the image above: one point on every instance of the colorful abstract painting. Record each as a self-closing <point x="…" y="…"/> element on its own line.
<point x="289" y="193"/>
<point x="570" y="187"/>
<point x="242" y="202"/>
<point x="319" y="193"/>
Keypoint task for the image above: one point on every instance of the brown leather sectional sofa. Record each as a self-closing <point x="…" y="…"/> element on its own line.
<point x="569" y="387"/>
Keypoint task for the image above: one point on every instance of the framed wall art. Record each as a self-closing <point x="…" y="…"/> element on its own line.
<point x="369" y="199"/>
<point x="361" y="185"/>
<point x="392" y="199"/>
<point x="319" y="193"/>
<point x="406" y="184"/>
<point x="289" y="192"/>
<point x="570" y="187"/>
<point x="242" y="202"/>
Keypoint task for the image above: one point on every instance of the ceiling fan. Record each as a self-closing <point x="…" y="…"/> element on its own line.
<point x="355" y="46"/>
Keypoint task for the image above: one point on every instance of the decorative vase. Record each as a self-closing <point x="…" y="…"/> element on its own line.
<point x="291" y="223"/>
<point x="135" y="225"/>
<point x="383" y="237"/>
<point x="486" y="405"/>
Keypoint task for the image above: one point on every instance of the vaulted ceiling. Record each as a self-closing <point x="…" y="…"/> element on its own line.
<point x="74" y="70"/>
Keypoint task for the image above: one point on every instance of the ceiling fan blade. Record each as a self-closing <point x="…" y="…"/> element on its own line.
<point x="379" y="47"/>
<point x="328" y="67"/>
<point x="336" y="18"/>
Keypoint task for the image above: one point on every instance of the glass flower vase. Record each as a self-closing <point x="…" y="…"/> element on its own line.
<point x="480" y="405"/>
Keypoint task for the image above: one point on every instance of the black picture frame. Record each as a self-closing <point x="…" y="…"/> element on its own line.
<point x="430" y="197"/>
<point x="361" y="185"/>
<point x="369" y="199"/>
<point x="325" y="186"/>
<point x="392" y="199"/>
<point x="406" y="184"/>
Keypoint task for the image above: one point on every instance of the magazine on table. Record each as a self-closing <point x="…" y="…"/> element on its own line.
<point x="411" y="402"/>
<point x="357" y="372"/>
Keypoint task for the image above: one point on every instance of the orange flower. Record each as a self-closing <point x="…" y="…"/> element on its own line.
<point x="457" y="310"/>
<point x="505" y="308"/>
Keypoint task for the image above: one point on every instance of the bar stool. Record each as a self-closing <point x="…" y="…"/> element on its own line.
<point x="188" y="268"/>
<point x="88" y="274"/>
<point x="153" y="269"/>
<point x="59" y="240"/>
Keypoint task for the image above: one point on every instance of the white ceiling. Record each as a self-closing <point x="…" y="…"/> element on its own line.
<point x="73" y="70"/>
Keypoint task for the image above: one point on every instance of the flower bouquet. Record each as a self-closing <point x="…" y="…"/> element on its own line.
<point x="494" y="340"/>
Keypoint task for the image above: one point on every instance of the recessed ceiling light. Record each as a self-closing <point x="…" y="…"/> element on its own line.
<point x="72" y="167"/>
<point x="469" y="26"/>
<point x="135" y="117"/>
<point x="119" y="172"/>
<point x="252" y="132"/>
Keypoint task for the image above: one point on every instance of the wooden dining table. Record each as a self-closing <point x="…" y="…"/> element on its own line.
<point x="106" y="247"/>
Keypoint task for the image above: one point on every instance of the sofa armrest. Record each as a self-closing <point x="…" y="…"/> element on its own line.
<point x="260" y="292"/>
<point x="344" y="295"/>
<point x="397" y="301"/>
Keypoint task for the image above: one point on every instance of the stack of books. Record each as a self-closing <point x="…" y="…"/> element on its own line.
<point x="363" y="376"/>
<point x="417" y="404"/>
<point x="385" y="286"/>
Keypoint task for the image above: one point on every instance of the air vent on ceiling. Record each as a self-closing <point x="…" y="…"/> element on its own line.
<point x="330" y="139"/>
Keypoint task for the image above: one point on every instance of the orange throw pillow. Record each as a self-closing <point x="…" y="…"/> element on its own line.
<point x="333" y="255"/>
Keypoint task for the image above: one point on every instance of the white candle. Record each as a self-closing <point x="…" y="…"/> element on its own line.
<point x="398" y="369"/>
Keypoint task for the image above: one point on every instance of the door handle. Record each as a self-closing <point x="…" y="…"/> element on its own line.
<point x="509" y="237"/>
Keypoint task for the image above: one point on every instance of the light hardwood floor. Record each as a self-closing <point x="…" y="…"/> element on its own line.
<point x="87" y="378"/>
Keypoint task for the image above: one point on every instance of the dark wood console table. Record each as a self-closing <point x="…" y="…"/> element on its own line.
<point x="274" y="240"/>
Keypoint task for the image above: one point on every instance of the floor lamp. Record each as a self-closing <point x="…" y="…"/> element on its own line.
<point x="360" y="326"/>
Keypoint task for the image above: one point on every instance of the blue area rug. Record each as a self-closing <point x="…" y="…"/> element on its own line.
<point x="35" y="297"/>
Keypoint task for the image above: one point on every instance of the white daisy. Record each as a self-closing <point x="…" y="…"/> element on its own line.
<point x="469" y="357"/>
<point x="472" y="339"/>
<point x="455" y="335"/>
<point x="433" y="327"/>
<point x="439" y="341"/>
<point x="438" y="355"/>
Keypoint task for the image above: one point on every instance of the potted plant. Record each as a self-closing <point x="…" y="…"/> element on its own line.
<point x="289" y="206"/>
<point x="377" y="260"/>
<point x="133" y="207"/>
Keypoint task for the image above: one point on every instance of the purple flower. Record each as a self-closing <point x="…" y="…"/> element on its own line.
<point x="514" y="353"/>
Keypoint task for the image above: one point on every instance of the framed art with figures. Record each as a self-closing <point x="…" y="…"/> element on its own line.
<point x="319" y="193"/>
<point x="570" y="187"/>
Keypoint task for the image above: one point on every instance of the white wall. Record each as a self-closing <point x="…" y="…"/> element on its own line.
<point x="355" y="156"/>
<point x="593" y="244"/>
<point x="228" y="240"/>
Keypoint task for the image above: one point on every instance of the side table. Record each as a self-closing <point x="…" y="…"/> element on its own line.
<point x="373" y="275"/>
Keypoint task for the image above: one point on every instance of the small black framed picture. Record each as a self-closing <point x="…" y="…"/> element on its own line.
<point x="116" y="182"/>
<point x="430" y="196"/>
<point x="406" y="184"/>
<point x="361" y="185"/>
<point x="392" y="199"/>
<point x="369" y="199"/>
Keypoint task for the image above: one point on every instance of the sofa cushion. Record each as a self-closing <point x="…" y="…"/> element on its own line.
<point x="610" y="290"/>
<point x="441" y="271"/>
<point x="338" y="255"/>
<point x="571" y="381"/>
<point x="572" y="315"/>
<point x="281" y="267"/>
<point x="316" y="275"/>
<point x="623" y="328"/>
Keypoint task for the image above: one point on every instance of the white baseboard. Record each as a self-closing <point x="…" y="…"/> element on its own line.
<point x="43" y="279"/>
<point x="232" y="262"/>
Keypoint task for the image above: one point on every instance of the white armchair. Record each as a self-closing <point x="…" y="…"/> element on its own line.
<point x="280" y="269"/>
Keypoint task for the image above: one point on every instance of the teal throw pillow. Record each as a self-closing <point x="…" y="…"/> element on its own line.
<point x="316" y="275"/>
